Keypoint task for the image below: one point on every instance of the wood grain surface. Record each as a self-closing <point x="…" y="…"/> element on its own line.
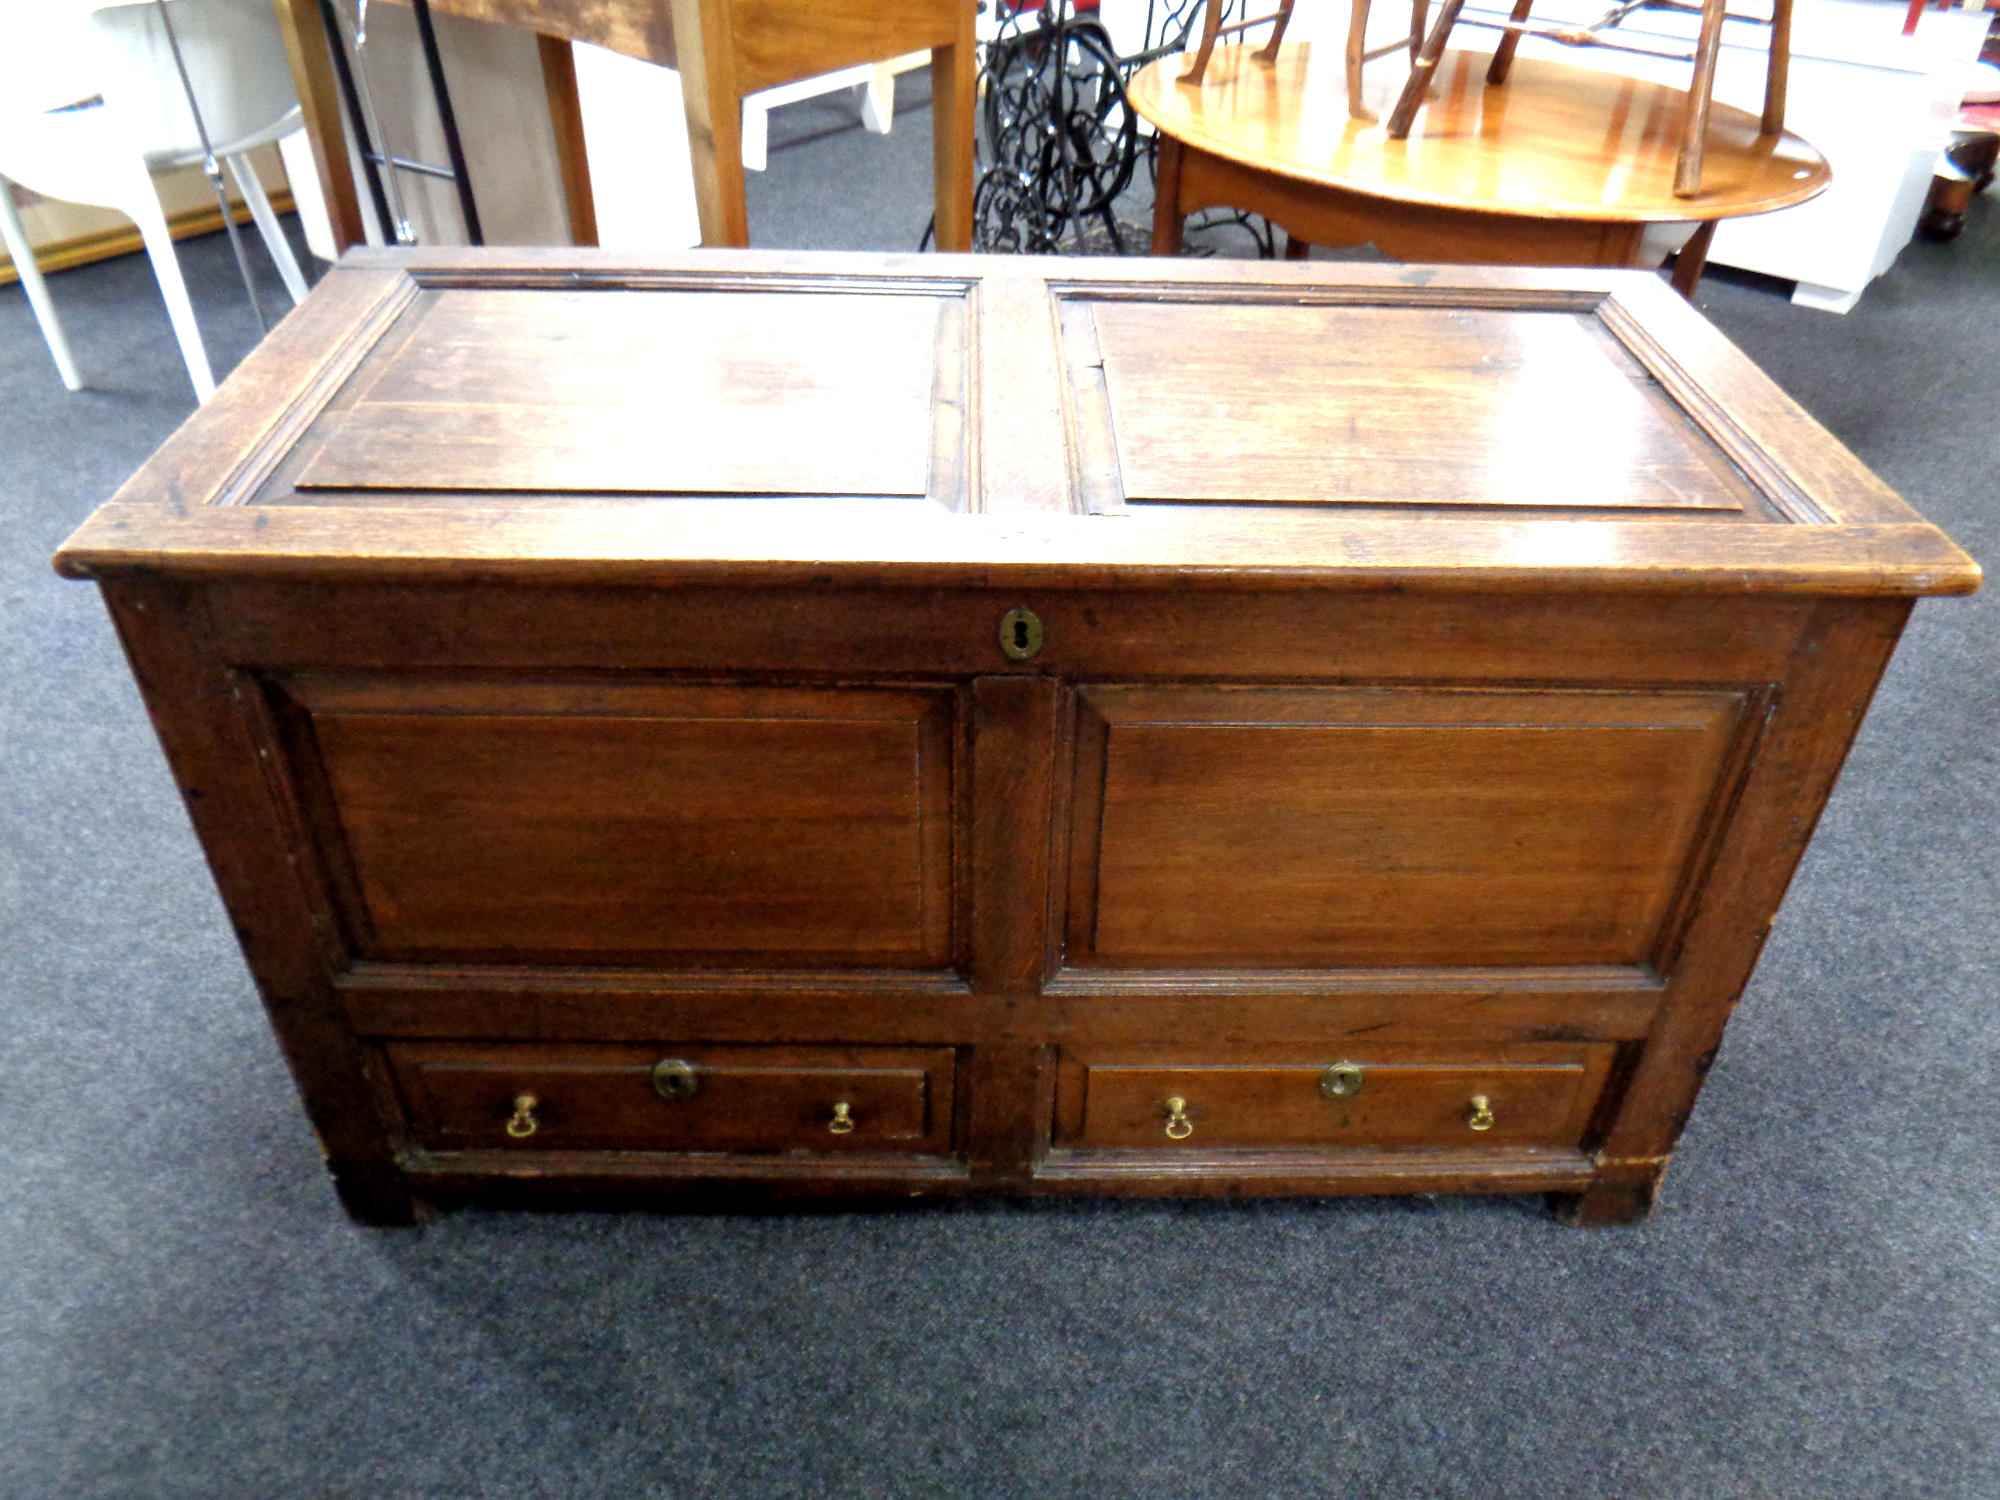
<point x="1553" y="142"/>
<point x="519" y="823"/>
<point x="642" y="392"/>
<point x="1389" y="405"/>
<point x="1274" y="827"/>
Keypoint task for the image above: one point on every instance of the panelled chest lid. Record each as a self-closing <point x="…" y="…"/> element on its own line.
<point x="981" y="419"/>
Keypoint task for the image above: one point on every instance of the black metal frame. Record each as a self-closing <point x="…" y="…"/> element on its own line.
<point x="1060" y="142"/>
<point x="374" y="159"/>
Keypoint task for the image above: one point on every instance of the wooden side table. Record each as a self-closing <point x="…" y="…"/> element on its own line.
<point x="1561" y="166"/>
<point x="733" y="48"/>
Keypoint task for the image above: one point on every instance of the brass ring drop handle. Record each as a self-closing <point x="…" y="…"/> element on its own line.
<point x="842" y="1122"/>
<point x="524" y="1123"/>
<point x="1179" y="1126"/>
<point x="1481" y="1115"/>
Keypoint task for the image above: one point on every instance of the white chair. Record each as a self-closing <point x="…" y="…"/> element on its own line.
<point x="105" y="154"/>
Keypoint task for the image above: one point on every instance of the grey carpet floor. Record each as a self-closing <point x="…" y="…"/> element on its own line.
<point x="1814" y="1310"/>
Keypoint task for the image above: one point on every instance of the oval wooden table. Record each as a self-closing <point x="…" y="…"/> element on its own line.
<point x="1558" y="166"/>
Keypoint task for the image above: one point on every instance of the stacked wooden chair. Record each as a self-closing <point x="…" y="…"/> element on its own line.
<point x="1427" y="47"/>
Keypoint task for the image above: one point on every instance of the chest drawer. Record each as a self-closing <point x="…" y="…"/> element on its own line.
<point x="667" y="1097"/>
<point x="1517" y="1096"/>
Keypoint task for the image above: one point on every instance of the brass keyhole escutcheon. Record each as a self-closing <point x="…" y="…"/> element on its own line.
<point x="524" y="1123"/>
<point x="674" y="1079"/>
<point x="1179" y="1126"/>
<point x="842" y="1122"/>
<point x="1020" y="633"/>
<point x="1481" y="1115"/>
<point x="1341" y="1081"/>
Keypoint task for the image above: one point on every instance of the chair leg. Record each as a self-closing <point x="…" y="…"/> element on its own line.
<point x="1510" y="42"/>
<point x="878" y="101"/>
<point x="1419" y="13"/>
<point x="756" y="136"/>
<point x="1778" y="68"/>
<point x="1357" y="45"/>
<point x="1694" y="135"/>
<point x="173" y="291"/>
<point x="1211" y="26"/>
<point x="23" y="255"/>
<point x="267" y="225"/>
<point x="1270" y="52"/>
<point x="1412" y="97"/>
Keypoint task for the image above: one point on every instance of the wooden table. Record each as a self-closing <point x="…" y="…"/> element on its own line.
<point x="1560" y="166"/>
<point x="740" y="724"/>
<point x="732" y="48"/>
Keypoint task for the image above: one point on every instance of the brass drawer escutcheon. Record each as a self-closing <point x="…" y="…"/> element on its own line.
<point x="523" y="1124"/>
<point x="1179" y="1125"/>
<point x="1481" y="1114"/>
<point x="842" y="1122"/>
<point x="674" y="1079"/>
<point x="1341" y="1081"/>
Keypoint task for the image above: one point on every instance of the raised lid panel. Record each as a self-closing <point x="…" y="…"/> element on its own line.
<point x="1280" y="827"/>
<point x="462" y="1095"/>
<point x="669" y="390"/>
<point x="1291" y="402"/>
<point x="577" y="823"/>
<point x="1534" y="1096"/>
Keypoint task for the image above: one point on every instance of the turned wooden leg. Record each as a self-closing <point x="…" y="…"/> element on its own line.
<point x="1296" y="248"/>
<point x="1168" y="220"/>
<point x="953" y="85"/>
<point x="1420" y="11"/>
<point x="1694" y="137"/>
<point x="1510" y="42"/>
<point x="1211" y="25"/>
<point x="1778" y="68"/>
<point x="1412" y="97"/>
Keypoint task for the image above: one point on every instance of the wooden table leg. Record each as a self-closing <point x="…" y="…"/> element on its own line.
<point x="1688" y="265"/>
<point x="1168" y="220"/>
<point x="1296" y="248"/>
<point x="714" y="106"/>
<point x="566" y="120"/>
<point x="954" y="86"/>
<point x="319" y="100"/>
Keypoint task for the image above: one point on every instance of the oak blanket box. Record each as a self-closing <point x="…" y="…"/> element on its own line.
<point x="750" y="725"/>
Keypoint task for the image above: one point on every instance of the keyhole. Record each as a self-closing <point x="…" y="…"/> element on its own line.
<point x="1020" y="634"/>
